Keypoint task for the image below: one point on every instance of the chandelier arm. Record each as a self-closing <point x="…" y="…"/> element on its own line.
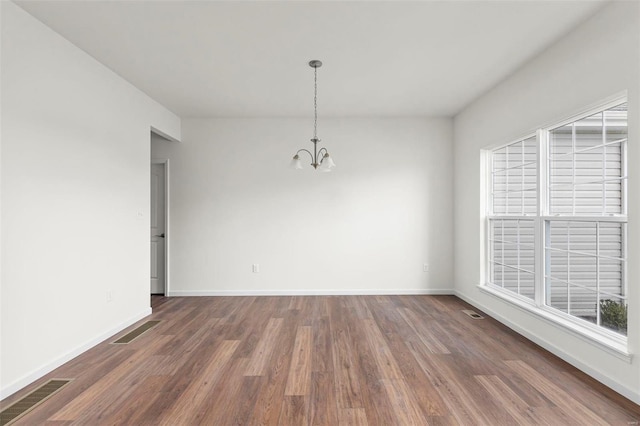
<point x="320" y="152"/>
<point x="308" y="152"/>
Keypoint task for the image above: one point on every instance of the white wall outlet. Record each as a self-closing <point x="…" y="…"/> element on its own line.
<point x="425" y="267"/>
<point x="256" y="268"/>
<point x="109" y="295"/>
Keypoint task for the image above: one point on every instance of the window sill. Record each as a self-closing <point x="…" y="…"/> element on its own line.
<point x="614" y="345"/>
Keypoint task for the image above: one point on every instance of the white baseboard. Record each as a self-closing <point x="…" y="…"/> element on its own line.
<point x="49" y="367"/>
<point x="443" y="291"/>
<point x="631" y="394"/>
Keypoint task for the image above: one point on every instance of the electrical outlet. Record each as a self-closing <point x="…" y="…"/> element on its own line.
<point x="109" y="295"/>
<point x="425" y="267"/>
<point x="256" y="268"/>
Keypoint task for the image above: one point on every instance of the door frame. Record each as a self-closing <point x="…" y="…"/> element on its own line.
<point x="167" y="231"/>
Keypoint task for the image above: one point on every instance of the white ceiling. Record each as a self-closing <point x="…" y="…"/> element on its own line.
<point x="249" y="59"/>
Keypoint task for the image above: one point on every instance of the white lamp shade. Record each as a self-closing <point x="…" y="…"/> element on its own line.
<point x="327" y="163"/>
<point x="296" y="163"/>
<point x="329" y="160"/>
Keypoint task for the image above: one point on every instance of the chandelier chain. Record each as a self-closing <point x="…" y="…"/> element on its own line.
<point x="315" y="102"/>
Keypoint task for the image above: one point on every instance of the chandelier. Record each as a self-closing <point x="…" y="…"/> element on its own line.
<point x="325" y="162"/>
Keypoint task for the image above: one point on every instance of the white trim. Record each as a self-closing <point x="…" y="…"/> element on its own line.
<point x="49" y="367"/>
<point x="611" y="218"/>
<point x="497" y="146"/>
<point x="631" y="394"/>
<point x="486" y="203"/>
<point x="565" y="218"/>
<point x="432" y="292"/>
<point x="600" y="338"/>
<point x="530" y="217"/>
<point x="541" y="263"/>
<point x="604" y="104"/>
<point x="163" y="134"/>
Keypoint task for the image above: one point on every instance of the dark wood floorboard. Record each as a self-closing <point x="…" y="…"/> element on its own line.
<point x="324" y="360"/>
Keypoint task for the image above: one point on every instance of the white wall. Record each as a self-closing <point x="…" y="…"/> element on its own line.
<point x="597" y="60"/>
<point x="75" y="199"/>
<point x="367" y="227"/>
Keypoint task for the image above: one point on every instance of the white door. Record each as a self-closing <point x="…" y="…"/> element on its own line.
<point x="157" y="229"/>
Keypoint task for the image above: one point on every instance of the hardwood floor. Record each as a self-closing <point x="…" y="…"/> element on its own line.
<point x="335" y="360"/>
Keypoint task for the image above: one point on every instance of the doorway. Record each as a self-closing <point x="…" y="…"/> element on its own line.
<point x="159" y="234"/>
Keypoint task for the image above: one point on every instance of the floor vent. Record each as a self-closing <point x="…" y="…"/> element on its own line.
<point x="129" y="337"/>
<point x="30" y="401"/>
<point x="472" y="314"/>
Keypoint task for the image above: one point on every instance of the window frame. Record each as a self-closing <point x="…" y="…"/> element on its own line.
<point x="489" y="214"/>
<point x="616" y="343"/>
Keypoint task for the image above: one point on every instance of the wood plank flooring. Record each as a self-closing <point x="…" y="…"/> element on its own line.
<point x="334" y="360"/>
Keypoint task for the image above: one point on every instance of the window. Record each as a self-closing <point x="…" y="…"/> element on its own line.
<point x="514" y="179"/>
<point x="556" y="220"/>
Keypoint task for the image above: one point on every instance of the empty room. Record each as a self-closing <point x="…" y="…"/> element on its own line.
<point x="320" y="212"/>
